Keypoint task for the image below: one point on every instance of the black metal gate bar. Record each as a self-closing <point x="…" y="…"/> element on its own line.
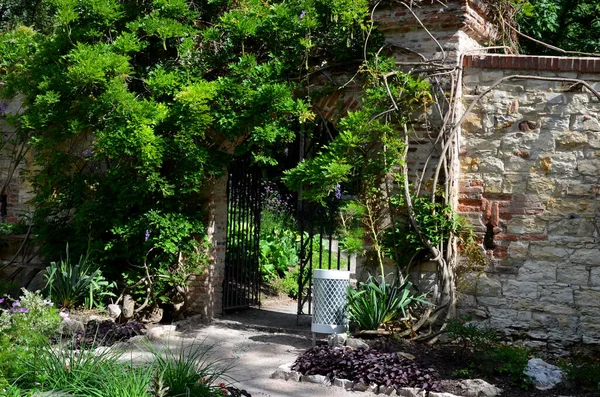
<point x="316" y="219"/>
<point x="241" y="283"/>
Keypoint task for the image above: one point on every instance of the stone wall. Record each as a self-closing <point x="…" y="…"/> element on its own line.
<point x="530" y="184"/>
<point x="15" y="206"/>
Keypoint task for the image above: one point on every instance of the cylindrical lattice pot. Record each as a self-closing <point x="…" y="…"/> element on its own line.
<point x="330" y="289"/>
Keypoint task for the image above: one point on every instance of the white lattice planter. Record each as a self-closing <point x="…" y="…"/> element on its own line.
<point x="330" y="296"/>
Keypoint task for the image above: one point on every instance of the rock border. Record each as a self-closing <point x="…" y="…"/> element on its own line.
<point x="285" y="372"/>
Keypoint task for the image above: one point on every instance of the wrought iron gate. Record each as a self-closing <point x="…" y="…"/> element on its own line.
<point x="319" y="248"/>
<point x="241" y="284"/>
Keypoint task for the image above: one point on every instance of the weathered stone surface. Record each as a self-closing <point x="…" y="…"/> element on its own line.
<point x="570" y="139"/>
<point x="69" y="326"/>
<point x="319" y="379"/>
<point x="478" y="388"/>
<point x="410" y="392"/>
<point x="356" y="343"/>
<point x="585" y="123"/>
<point x="490" y="164"/>
<point x="161" y="331"/>
<point x="545" y="376"/>
<point x="343" y="383"/>
<point x="522" y="289"/>
<point x="113" y="310"/>
<point x="337" y="340"/>
<point x="537" y="271"/>
<point x="128" y="307"/>
<point x="487" y="286"/>
<point x="586" y="297"/>
<point x="589" y="257"/>
<point x="557" y="293"/>
<point x="589" y="167"/>
<point x="526" y="224"/>
<point x="570" y="273"/>
<point x="547" y="252"/>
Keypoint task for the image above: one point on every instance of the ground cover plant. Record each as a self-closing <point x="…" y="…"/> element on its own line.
<point x="34" y="358"/>
<point x="368" y="366"/>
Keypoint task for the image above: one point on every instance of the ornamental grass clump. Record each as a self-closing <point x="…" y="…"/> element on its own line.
<point x="191" y="371"/>
<point x="376" y="303"/>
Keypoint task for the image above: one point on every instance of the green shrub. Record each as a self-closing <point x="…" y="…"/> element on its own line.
<point x="377" y="303"/>
<point x="25" y="325"/>
<point x="71" y="284"/>
<point x="278" y="252"/>
<point x="485" y="355"/>
<point x="584" y="372"/>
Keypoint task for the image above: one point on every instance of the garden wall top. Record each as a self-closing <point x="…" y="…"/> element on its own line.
<point x="533" y="62"/>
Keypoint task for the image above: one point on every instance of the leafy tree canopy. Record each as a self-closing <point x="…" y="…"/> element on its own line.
<point x="573" y="25"/>
<point x="132" y="107"/>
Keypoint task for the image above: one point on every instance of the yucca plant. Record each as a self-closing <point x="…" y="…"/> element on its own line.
<point x="70" y="284"/>
<point x="376" y="303"/>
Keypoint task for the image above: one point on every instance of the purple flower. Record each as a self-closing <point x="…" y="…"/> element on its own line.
<point x="16" y="304"/>
<point x="302" y="14"/>
<point x="1" y="300"/>
<point x="22" y="310"/>
<point x="3" y="107"/>
<point x="147" y="235"/>
<point x="338" y="191"/>
<point x="181" y="39"/>
<point x="87" y="153"/>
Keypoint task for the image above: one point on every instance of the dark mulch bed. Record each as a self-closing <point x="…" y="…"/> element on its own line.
<point x="447" y="359"/>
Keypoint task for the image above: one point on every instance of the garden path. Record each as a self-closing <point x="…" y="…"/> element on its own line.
<point x="258" y="342"/>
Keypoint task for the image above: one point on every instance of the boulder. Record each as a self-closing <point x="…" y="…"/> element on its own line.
<point x="544" y="376"/>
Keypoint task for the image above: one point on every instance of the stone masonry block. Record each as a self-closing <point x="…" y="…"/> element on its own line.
<point x="520" y="289"/>
<point x="547" y="252"/>
<point x="557" y="294"/>
<point x="589" y="257"/>
<point x="586" y="297"/>
<point x="536" y="271"/>
<point x="526" y="224"/>
<point x="572" y="274"/>
<point x="488" y="286"/>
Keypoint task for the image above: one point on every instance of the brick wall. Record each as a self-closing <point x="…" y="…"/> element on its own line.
<point x="530" y="180"/>
<point x="206" y="290"/>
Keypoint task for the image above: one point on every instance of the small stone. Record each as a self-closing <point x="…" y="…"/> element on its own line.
<point x="478" y="388"/>
<point x="113" y="310"/>
<point x="355" y="343"/>
<point x="359" y="386"/>
<point x="545" y="376"/>
<point x="345" y="384"/>
<point x="406" y="355"/>
<point x="410" y="392"/>
<point x="337" y="340"/>
<point x="295" y="376"/>
<point x="318" y="379"/>
<point x="128" y="307"/>
<point x="70" y="326"/>
<point x="283" y="372"/>
<point x="159" y="332"/>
